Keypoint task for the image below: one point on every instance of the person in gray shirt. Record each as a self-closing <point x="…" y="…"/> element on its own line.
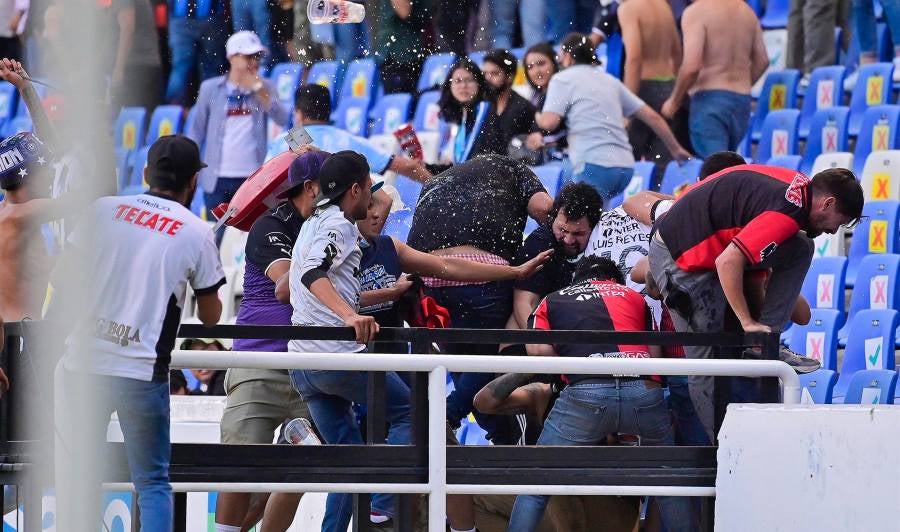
<point x="594" y="106"/>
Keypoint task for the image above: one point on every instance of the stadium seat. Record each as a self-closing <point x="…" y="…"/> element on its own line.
<point x="818" y="386"/>
<point x="129" y="128"/>
<point x="323" y="73"/>
<point x="409" y="191"/>
<point x="825" y="91"/>
<point x="818" y="339"/>
<point x="873" y="87"/>
<point x="825" y="284"/>
<point x="779" y="134"/>
<point x="644" y="172"/>
<point x="287" y="78"/>
<point x="390" y="112"/>
<point x="8" y="98"/>
<point x="881" y="176"/>
<point x="189" y="121"/>
<point x="678" y="177"/>
<point x="870" y="346"/>
<point x="136" y="182"/>
<point x="165" y="120"/>
<point x="360" y="81"/>
<point x="351" y="115"/>
<point x="877" y="287"/>
<point x="477" y="57"/>
<point x="791" y="162"/>
<point x="426" y="117"/>
<point x="123" y="176"/>
<point x="838" y="159"/>
<point x="831" y="245"/>
<point x="398" y="224"/>
<point x="779" y="92"/>
<point x="876" y="234"/>
<point x="435" y="70"/>
<point x="231" y="250"/>
<point x="878" y="132"/>
<point x="776" y="14"/>
<point x="872" y="387"/>
<point x="827" y="133"/>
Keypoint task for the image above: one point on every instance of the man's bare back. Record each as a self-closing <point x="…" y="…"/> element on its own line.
<point x="726" y="38"/>
<point x="648" y="27"/>
<point x="24" y="264"/>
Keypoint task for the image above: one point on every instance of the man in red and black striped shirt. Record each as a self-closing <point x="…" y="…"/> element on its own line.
<point x="745" y="218"/>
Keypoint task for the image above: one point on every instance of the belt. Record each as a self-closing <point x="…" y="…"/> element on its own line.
<point x="618" y="381"/>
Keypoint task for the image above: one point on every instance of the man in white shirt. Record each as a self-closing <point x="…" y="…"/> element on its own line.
<point x="142" y="252"/>
<point x="325" y="292"/>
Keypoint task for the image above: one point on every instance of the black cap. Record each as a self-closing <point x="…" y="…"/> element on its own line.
<point x="339" y="172"/>
<point x="172" y="160"/>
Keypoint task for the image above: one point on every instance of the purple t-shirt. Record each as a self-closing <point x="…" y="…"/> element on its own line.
<point x="270" y="240"/>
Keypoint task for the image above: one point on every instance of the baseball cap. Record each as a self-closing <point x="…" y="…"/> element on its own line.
<point x="244" y="43"/>
<point x="339" y="172"/>
<point x="173" y="159"/>
<point x="306" y="167"/>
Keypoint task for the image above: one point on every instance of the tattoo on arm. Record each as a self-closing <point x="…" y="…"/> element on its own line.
<point x="527" y="404"/>
<point x="504" y="385"/>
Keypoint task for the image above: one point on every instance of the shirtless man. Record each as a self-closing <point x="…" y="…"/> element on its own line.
<point x="724" y="55"/>
<point x="652" y="58"/>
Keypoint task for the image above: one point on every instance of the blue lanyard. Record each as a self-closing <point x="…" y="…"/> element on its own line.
<point x="463" y="143"/>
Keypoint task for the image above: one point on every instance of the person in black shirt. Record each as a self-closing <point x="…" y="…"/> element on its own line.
<point x="576" y="210"/>
<point x="515" y="114"/>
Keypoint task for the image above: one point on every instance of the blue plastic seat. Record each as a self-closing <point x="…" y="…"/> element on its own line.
<point x="166" y="120"/>
<point x="819" y="385"/>
<point x="878" y="132"/>
<point x="825" y="283"/>
<point x="644" y="173"/>
<point x="360" y="81"/>
<point x="324" y="73"/>
<point x="398" y="224"/>
<point x="876" y="234"/>
<point x="123" y="167"/>
<point x="409" y="191"/>
<point x="872" y="387"/>
<point x="779" y="134"/>
<point x="436" y="69"/>
<point x="351" y="115"/>
<point x="876" y="287"/>
<point x="390" y="112"/>
<point x="791" y="162"/>
<point x="287" y="78"/>
<point x="873" y="87"/>
<point x="776" y="14"/>
<point x="477" y="58"/>
<point x="129" y="129"/>
<point x="427" y="109"/>
<point x="870" y="346"/>
<point x="825" y="91"/>
<point x="827" y="133"/>
<point x="678" y="177"/>
<point x="189" y="121"/>
<point x="818" y="339"/>
<point x="779" y="92"/>
<point x="136" y="181"/>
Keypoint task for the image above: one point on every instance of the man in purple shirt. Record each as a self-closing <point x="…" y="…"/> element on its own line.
<point x="261" y="399"/>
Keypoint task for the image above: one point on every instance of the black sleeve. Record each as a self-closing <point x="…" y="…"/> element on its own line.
<point x="543" y="281"/>
<point x="268" y="242"/>
<point x="529" y="184"/>
<point x="523" y="122"/>
<point x="606" y="20"/>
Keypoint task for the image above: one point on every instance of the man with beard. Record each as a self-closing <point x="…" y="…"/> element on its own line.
<point x="515" y="114"/>
<point x="576" y="210"/>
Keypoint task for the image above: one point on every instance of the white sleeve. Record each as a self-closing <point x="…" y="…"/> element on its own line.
<point x="207" y="275"/>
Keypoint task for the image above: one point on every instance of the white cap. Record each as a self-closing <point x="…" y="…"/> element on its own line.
<point x="244" y="43"/>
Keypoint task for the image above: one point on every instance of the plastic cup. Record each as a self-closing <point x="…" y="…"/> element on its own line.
<point x="335" y="12"/>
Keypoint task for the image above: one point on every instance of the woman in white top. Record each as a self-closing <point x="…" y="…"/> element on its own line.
<point x="594" y="106"/>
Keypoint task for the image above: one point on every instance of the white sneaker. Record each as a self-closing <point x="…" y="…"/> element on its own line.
<point x="850" y="81"/>
<point x="896" y="69"/>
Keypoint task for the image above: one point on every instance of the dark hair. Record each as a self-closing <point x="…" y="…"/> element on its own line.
<point x="314" y="101"/>
<point x="843" y="185"/>
<point x="503" y="59"/>
<point x="719" y="161"/>
<point x="594" y="268"/>
<point x="544" y="49"/>
<point x="451" y="110"/>
<point x="578" y="199"/>
<point x="177" y="381"/>
<point x="581" y="49"/>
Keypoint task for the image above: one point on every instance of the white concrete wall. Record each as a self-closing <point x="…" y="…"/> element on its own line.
<point x="808" y="468"/>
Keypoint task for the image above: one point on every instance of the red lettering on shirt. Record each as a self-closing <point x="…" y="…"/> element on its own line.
<point x="148" y="220"/>
<point x="120" y="210"/>
<point x="151" y="222"/>
<point x="173" y="229"/>
<point x="132" y="213"/>
<point x="141" y="217"/>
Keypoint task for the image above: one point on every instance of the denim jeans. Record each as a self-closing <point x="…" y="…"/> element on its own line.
<point x="484" y="306"/>
<point x="533" y="18"/>
<point x="503" y="23"/>
<point x="253" y="15"/>
<point x="224" y="191"/>
<point x="688" y="429"/>
<point x="329" y="395"/>
<point x="143" y="413"/>
<point x="864" y="22"/>
<point x="609" y="181"/>
<point x="571" y="15"/>
<point x="718" y="121"/>
<point x="191" y="40"/>
<point x="585" y="414"/>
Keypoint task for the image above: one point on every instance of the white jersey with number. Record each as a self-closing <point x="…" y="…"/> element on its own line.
<point x="140" y="253"/>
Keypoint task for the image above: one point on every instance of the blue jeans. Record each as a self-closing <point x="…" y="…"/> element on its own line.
<point x="571" y="15"/>
<point x="585" y="414"/>
<point x="191" y="40"/>
<point x="865" y="26"/>
<point x="329" y="395"/>
<point x="225" y="189"/>
<point x="503" y="23"/>
<point x="718" y="121"/>
<point x="485" y="306"/>
<point x="688" y="429"/>
<point x="253" y="15"/>
<point x="533" y="18"/>
<point x="609" y="181"/>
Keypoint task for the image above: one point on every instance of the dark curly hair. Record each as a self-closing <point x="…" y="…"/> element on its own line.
<point x="578" y="199"/>
<point x="593" y="268"/>
<point x="451" y="110"/>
